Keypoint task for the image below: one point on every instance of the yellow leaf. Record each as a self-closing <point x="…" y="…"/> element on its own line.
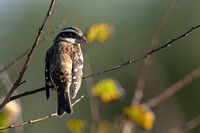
<point x="108" y="90"/>
<point x="99" y="32"/>
<point x="141" y="115"/>
<point x="76" y="125"/>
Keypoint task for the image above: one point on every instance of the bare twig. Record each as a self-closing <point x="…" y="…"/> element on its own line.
<point x="112" y="68"/>
<point x="174" y="88"/>
<point x="17" y="82"/>
<point x="26" y="52"/>
<point x="138" y="94"/>
<point x="78" y="100"/>
<point x="144" y="56"/>
<point x="36" y="120"/>
<point x="187" y="126"/>
<point x="27" y="93"/>
<point x="28" y="122"/>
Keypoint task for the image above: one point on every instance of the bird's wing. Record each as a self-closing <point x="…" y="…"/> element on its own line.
<point x="47" y="74"/>
<point x="77" y="74"/>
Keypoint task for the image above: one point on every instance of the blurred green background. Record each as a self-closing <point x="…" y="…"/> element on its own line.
<point x="135" y="22"/>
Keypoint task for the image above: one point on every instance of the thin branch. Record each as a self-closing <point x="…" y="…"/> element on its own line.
<point x="138" y="91"/>
<point x="27" y="93"/>
<point x="112" y="68"/>
<point x="174" y="88"/>
<point x="28" y="122"/>
<point x="16" y="84"/>
<point x="144" y="56"/>
<point x="26" y="52"/>
<point x="36" y="120"/>
<point x="187" y="126"/>
<point x="78" y="100"/>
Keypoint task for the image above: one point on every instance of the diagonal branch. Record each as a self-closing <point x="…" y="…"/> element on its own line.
<point x="174" y="88"/>
<point x="187" y="126"/>
<point x="138" y="91"/>
<point x="36" y="120"/>
<point x="112" y="68"/>
<point x="144" y="56"/>
<point x="17" y="82"/>
<point x="27" y="93"/>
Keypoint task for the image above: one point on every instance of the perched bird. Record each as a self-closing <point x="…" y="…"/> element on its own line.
<point x="63" y="67"/>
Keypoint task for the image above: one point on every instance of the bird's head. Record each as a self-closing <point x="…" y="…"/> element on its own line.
<point x="72" y="35"/>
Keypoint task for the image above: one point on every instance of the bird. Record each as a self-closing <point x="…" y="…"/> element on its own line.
<point x="63" y="67"/>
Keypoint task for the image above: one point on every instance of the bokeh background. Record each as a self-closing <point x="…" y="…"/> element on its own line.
<point x="135" y="22"/>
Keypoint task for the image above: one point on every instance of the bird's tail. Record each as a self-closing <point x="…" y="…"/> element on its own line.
<point x="64" y="101"/>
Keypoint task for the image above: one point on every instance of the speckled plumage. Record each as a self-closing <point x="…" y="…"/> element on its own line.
<point x="64" y="63"/>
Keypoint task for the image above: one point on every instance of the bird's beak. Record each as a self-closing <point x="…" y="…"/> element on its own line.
<point x="82" y="39"/>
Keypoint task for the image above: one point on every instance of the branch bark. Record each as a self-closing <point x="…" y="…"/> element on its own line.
<point x="138" y="91"/>
<point x="17" y="82"/>
<point x="174" y="88"/>
<point x="37" y="120"/>
<point x="144" y="56"/>
<point x="187" y="126"/>
<point x="112" y="68"/>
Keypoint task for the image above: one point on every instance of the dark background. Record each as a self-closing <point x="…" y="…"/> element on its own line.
<point x="135" y="22"/>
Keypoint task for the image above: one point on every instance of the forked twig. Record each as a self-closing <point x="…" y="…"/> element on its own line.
<point x="17" y="82"/>
<point x="115" y="67"/>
